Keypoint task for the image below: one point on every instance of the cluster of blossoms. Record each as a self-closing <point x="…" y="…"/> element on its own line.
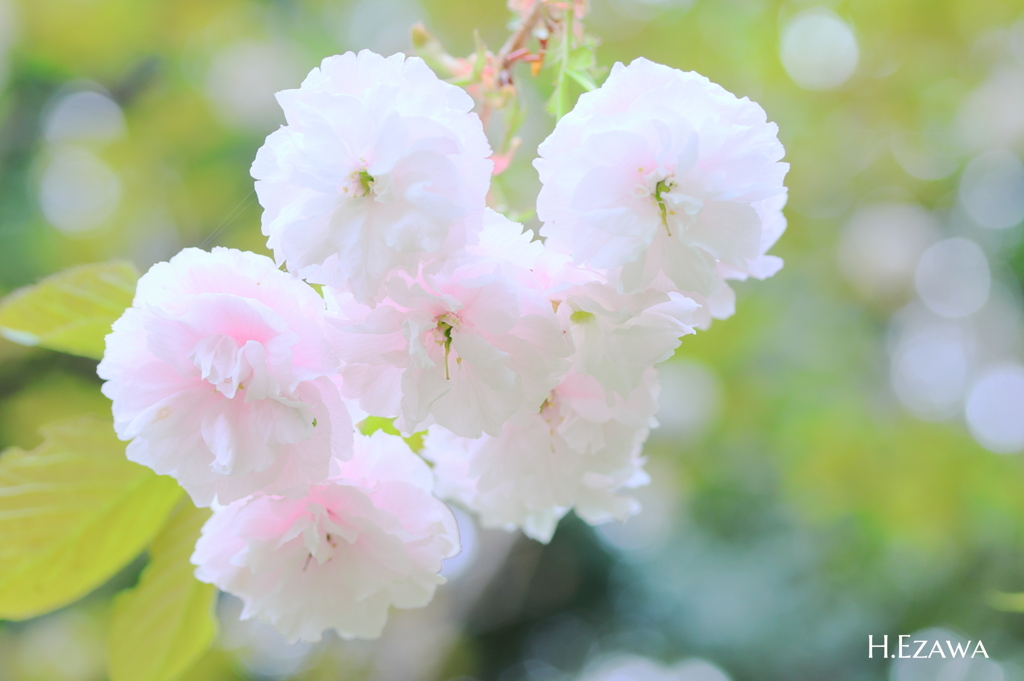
<point x="529" y="364"/>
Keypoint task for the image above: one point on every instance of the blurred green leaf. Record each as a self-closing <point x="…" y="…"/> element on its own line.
<point x="73" y="511"/>
<point x="582" y="64"/>
<point x="574" y="61"/>
<point x="165" y="624"/>
<point x="584" y="80"/>
<point x="481" y="57"/>
<point x="429" y="49"/>
<point x="558" y="102"/>
<point x="72" y="310"/>
<point x="559" y="56"/>
<point x="371" y="424"/>
<point x="215" y="665"/>
<point x="1007" y="602"/>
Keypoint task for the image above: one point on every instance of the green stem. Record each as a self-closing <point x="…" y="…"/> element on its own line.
<point x="563" y="67"/>
<point x="663" y="186"/>
<point x="446" y="331"/>
<point x="365" y="181"/>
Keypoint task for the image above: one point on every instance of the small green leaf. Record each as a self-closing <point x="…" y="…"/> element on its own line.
<point x="73" y="511"/>
<point x="581" y="317"/>
<point x="557" y="103"/>
<point x="165" y="624"/>
<point x="72" y="310"/>
<point x="371" y="424"/>
<point x="570" y="59"/>
<point x="430" y="50"/>
<point x="516" y="117"/>
<point x="583" y="57"/>
<point x="583" y="79"/>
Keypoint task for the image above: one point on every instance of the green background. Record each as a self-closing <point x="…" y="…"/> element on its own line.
<point x="798" y="506"/>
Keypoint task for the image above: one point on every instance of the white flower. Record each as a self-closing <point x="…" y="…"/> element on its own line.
<point x="618" y="337"/>
<point x="381" y="163"/>
<point x="661" y="172"/>
<point x="465" y="344"/>
<point x="720" y="303"/>
<point x="578" y="453"/>
<point x="220" y="374"/>
<point x="371" y="538"/>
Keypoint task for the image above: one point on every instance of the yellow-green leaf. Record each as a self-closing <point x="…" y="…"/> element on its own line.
<point x="1007" y="602"/>
<point x="163" y="625"/>
<point x="72" y="310"/>
<point x="214" y="665"/>
<point x="73" y="511"/>
<point x="371" y="424"/>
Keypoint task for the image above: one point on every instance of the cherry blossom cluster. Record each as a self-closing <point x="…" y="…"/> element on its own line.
<point x="528" y="364"/>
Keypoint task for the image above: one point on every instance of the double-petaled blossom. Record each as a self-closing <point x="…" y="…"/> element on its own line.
<point x="381" y="163"/>
<point x="578" y="452"/>
<point x="221" y="375"/>
<point x="658" y="177"/>
<point x="720" y="303"/>
<point x="618" y="337"/>
<point x="370" y="538"/>
<point x="531" y="364"/>
<point x="464" y="345"/>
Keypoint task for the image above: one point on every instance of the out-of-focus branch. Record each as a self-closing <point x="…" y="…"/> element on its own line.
<point x="516" y="41"/>
<point x="432" y="51"/>
<point x="488" y="76"/>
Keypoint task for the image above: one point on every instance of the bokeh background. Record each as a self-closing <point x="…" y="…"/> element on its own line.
<point x="841" y="458"/>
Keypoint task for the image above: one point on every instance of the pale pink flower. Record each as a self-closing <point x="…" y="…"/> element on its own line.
<point x="579" y="452"/>
<point x="465" y="344"/>
<point x="661" y="173"/>
<point x="220" y="374"/>
<point x="381" y="163"/>
<point x="338" y="558"/>
<point x="618" y="337"/>
<point x="720" y="303"/>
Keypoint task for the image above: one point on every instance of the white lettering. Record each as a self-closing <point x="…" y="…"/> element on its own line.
<point x="961" y="649"/>
<point x="904" y="645"/>
<point x="977" y="648"/>
<point x="917" y="653"/>
<point x="872" y="645"/>
<point x="936" y="648"/>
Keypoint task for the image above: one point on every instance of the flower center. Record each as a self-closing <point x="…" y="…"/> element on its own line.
<point x="321" y="536"/>
<point x="222" y="363"/>
<point x="581" y="316"/>
<point x="664" y="187"/>
<point x="332" y="542"/>
<point x="365" y="181"/>
<point x="656" y="182"/>
<point x="445" y="324"/>
<point x="360" y="183"/>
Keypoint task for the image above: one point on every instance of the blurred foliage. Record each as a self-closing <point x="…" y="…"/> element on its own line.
<point x="810" y="511"/>
<point x="163" y="625"/>
<point x="74" y="512"/>
<point x="70" y="311"/>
